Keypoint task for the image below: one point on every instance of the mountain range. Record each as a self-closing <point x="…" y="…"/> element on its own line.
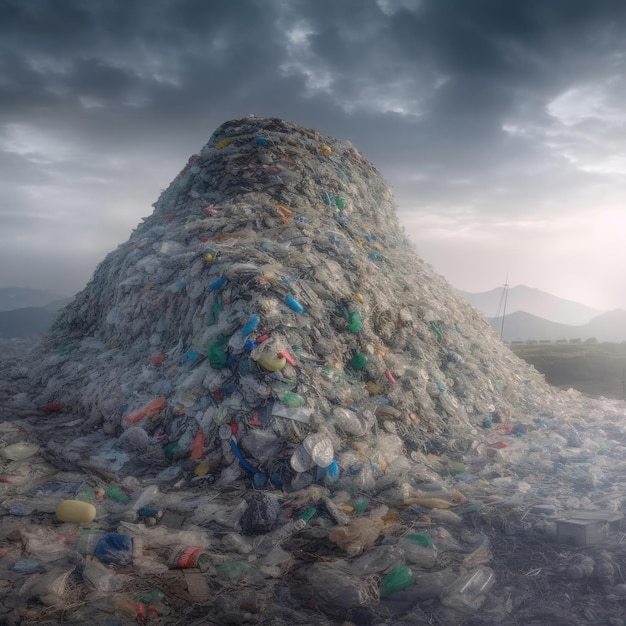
<point x="533" y="314"/>
<point x="522" y="326"/>
<point x="534" y="301"/>
<point x="27" y="313"/>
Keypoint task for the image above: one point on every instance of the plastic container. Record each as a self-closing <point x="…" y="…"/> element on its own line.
<point x="19" y="451"/>
<point x="76" y="512"/>
<point x="185" y="557"/>
<point x="294" y="305"/>
<point x="271" y="362"/>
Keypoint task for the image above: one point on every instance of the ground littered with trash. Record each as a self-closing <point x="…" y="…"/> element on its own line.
<point x="265" y="408"/>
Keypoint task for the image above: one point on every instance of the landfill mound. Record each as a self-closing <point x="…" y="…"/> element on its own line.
<point x="271" y="308"/>
<point x="264" y="408"/>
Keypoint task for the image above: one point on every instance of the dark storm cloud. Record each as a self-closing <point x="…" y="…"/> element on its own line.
<point x="460" y="103"/>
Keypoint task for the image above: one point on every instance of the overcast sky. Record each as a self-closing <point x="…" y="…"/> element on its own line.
<point x="499" y="125"/>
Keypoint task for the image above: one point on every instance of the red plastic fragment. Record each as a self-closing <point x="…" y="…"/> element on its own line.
<point x="197" y="446"/>
<point x="390" y="377"/>
<point x="283" y="354"/>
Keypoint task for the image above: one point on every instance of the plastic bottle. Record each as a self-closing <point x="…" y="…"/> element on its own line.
<point x="266" y="542"/>
<point x="293" y="304"/>
<point x="145" y="497"/>
<point x="251" y="325"/>
<point x="185" y="557"/>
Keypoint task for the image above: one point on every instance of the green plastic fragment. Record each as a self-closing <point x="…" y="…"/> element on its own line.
<point x="435" y="326"/>
<point x="66" y="349"/>
<point x="423" y="540"/>
<point x="334" y="375"/>
<point x="398" y="578"/>
<point x="455" y="468"/>
<point x="86" y="494"/>
<point x="340" y="203"/>
<point x="361" y="504"/>
<point x="173" y="451"/>
<point x="116" y="493"/>
<point x="293" y="400"/>
<point x="308" y="514"/>
<point x="356" y="325"/>
<point x="217" y="353"/>
<point x="150" y="597"/>
<point x="234" y="571"/>
<point x="359" y="361"/>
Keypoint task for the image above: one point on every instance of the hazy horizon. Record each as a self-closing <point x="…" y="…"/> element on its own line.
<point x="498" y="126"/>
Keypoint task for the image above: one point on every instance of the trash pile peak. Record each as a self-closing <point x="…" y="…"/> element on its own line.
<point x="270" y="322"/>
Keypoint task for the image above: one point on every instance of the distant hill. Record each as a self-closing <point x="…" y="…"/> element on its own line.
<point x="22" y="297"/>
<point x="533" y="301"/>
<point x="521" y="326"/>
<point x="26" y="322"/>
<point x="57" y="305"/>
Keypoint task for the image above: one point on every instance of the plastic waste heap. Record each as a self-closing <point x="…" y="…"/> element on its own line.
<point x="265" y="397"/>
<point x="270" y="322"/>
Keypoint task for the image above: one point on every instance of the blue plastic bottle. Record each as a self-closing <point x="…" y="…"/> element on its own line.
<point x="293" y="304"/>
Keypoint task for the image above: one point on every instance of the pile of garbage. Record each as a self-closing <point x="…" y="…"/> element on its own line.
<point x="270" y="320"/>
<point x="264" y="407"/>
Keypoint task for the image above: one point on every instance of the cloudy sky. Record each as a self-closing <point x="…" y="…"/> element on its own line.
<point x="500" y="125"/>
